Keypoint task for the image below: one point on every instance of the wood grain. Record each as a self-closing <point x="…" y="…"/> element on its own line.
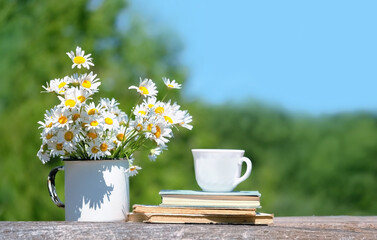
<point x="339" y="227"/>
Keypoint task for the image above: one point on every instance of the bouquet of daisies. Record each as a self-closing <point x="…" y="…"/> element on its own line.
<point x="77" y="128"/>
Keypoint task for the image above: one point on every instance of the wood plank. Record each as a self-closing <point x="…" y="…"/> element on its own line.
<point x="339" y="227"/>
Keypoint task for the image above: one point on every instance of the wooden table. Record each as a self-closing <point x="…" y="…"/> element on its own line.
<point x="339" y="227"/>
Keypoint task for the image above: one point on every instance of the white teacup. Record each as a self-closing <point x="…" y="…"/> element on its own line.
<point x="219" y="170"/>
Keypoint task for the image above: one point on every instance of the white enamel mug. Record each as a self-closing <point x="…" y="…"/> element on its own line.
<point x="219" y="170"/>
<point x="95" y="190"/>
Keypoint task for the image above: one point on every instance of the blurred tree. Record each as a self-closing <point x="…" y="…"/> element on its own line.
<point x="34" y="37"/>
<point x="302" y="165"/>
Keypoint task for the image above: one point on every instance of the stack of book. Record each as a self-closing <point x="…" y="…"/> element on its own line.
<point x="185" y="206"/>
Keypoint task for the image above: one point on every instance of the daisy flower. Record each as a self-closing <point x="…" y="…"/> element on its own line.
<point x="146" y="88"/>
<point x="92" y="109"/>
<point x="80" y="59"/>
<point x="168" y="112"/>
<point x="120" y="135"/>
<point x="92" y="134"/>
<point x="49" y="86"/>
<point x="43" y="155"/>
<point x="171" y="116"/>
<point x="81" y="96"/>
<point x="150" y="102"/>
<point x="141" y="110"/>
<point x="76" y="115"/>
<point x="158" y="132"/>
<point x="133" y="170"/>
<point x="105" y="148"/>
<point x="61" y="118"/>
<point x="89" y="82"/>
<point x="94" y="123"/>
<point x="159" y="108"/>
<point x="137" y="124"/>
<point x="69" y="138"/>
<point x="69" y="100"/>
<point x="155" y="152"/>
<point x="57" y="149"/>
<point x="94" y="150"/>
<point x="47" y="125"/>
<point x="109" y="121"/>
<point x="58" y="85"/>
<point x="171" y="84"/>
<point x="187" y="118"/>
<point x="48" y="137"/>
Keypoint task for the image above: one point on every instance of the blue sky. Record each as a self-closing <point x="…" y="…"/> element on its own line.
<point x="304" y="56"/>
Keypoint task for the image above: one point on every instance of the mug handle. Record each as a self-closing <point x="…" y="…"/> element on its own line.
<point x="249" y="166"/>
<point x="51" y="186"/>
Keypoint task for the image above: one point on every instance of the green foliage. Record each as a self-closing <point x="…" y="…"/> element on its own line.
<point x="34" y="37"/>
<point x="302" y="165"/>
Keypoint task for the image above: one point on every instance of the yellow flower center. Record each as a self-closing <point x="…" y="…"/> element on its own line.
<point x="103" y="147"/>
<point x="168" y="119"/>
<point x="62" y="84"/>
<point x="109" y="121"/>
<point x="62" y="119"/>
<point x="83" y="124"/>
<point x="171" y="86"/>
<point x="49" y="125"/>
<point x="49" y="136"/>
<point x="141" y="112"/>
<point x="86" y="84"/>
<point x="133" y="168"/>
<point x="68" y="136"/>
<point x="94" y="150"/>
<point x="59" y="146"/>
<point x="144" y="90"/>
<point x="92" y="111"/>
<point x="139" y="127"/>
<point x="81" y="98"/>
<point x="79" y="60"/>
<point x="94" y="123"/>
<point x="149" y="127"/>
<point x="70" y="103"/>
<point x="158" y="132"/>
<point x="92" y="135"/>
<point x="120" y="137"/>
<point x="75" y="116"/>
<point x="159" y="110"/>
<point x="150" y="105"/>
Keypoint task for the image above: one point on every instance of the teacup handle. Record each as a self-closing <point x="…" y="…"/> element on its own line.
<point x="51" y="186"/>
<point x="249" y="166"/>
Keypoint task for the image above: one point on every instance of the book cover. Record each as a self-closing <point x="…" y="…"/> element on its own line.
<point x="209" y="203"/>
<point x="202" y="193"/>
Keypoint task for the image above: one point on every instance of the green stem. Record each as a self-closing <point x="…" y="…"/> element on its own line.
<point x="165" y="96"/>
<point x="126" y="139"/>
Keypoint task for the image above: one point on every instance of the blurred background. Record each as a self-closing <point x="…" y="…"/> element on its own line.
<point x="291" y="82"/>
